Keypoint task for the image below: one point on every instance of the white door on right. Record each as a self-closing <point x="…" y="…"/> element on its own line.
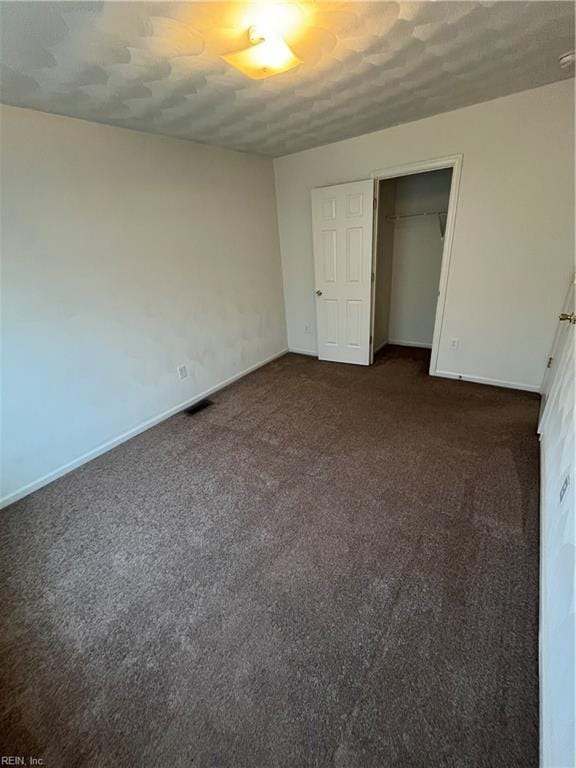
<point x="342" y="222"/>
<point x="558" y="549"/>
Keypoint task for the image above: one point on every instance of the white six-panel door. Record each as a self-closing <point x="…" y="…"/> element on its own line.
<point x="342" y="222"/>
<point x="558" y="549"/>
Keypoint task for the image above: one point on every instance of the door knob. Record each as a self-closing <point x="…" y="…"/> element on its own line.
<point x="318" y="293"/>
<point x="570" y="317"/>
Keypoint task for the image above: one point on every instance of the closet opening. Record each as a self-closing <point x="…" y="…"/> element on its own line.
<point x="410" y="262"/>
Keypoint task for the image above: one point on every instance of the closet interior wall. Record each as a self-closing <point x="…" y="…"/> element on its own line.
<point x="409" y="257"/>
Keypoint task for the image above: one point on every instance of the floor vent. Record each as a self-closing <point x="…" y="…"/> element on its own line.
<point x="199" y="406"/>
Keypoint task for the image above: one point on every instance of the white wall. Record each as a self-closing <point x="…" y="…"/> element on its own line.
<point x="124" y="255"/>
<point x="514" y="238"/>
<point x="417" y="257"/>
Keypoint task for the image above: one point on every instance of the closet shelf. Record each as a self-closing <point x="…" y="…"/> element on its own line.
<point x="403" y="216"/>
<point x="413" y="215"/>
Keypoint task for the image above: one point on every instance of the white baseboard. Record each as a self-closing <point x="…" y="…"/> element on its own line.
<point x="482" y="380"/>
<point x="299" y="351"/>
<point x="105" y="447"/>
<point x="400" y="343"/>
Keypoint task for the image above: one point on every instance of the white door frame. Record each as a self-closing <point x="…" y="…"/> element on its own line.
<point x="455" y="163"/>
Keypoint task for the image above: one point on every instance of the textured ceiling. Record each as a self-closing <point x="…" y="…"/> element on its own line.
<point x="158" y="67"/>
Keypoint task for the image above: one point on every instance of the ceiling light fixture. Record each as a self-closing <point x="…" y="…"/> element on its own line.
<point x="567" y="59"/>
<point x="268" y="53"/>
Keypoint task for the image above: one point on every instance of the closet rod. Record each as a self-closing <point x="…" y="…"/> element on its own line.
<point x="412" y="215"/>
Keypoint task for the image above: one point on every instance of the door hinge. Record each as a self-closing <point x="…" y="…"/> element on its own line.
<point x="373" y="276"/>
<point x="549" y="362"/>
<point x="375" y="203"/>
<point x="370" y="339"/>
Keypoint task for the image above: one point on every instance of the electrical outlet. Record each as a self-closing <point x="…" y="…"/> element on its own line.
<point x="454" y="343"/>
<point x="307" y="328"/>
<point x="182" y="372"/>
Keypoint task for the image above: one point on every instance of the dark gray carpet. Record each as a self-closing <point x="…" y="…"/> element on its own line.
<point x="331" y="566"/>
